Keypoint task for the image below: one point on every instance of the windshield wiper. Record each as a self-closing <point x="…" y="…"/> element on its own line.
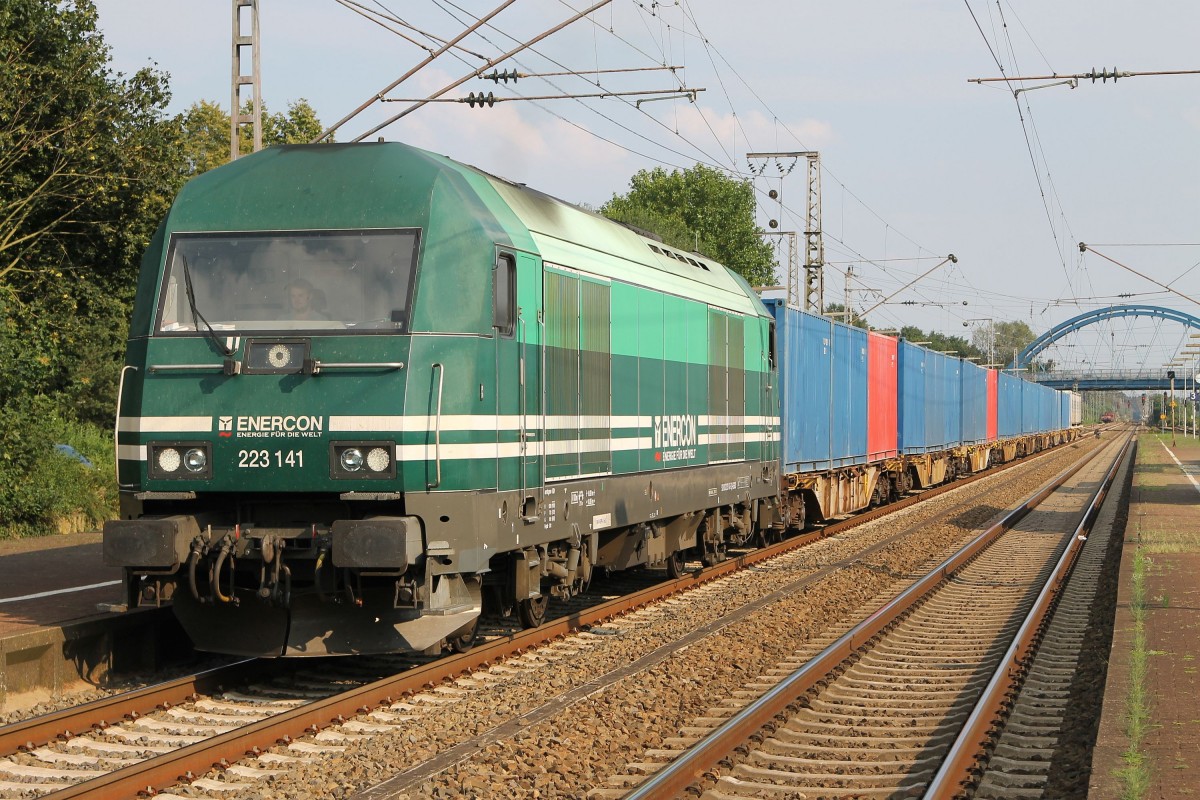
<point x="196" y="316"/>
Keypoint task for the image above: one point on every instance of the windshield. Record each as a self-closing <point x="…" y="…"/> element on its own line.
<point x="291" y="280"/>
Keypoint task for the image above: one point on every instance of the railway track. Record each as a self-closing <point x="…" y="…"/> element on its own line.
<point x="155" y="737"/>
<point x="905" y="704"/>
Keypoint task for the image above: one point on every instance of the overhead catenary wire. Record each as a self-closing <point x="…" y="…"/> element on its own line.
<point x="572" y="123"/>
<point x="950" y="258"/>
<point x="568" y="121"/>
<point x="1083" y="247"/>
<point x="387" y="14"/>
<point x="594" y="134"/>
<point x="935" y="283"/>
<point x="1060" y="244"/>
<point x="1028" y="143"/>
<point x="491" y="63"/>
<point x="712" y="50"/>
<point x="429" y="59"/>
<point x="1103" y="76"/>
<point x="490" y="99"/>
<point x="576" y="73"/>
<point x="579" y="73"/>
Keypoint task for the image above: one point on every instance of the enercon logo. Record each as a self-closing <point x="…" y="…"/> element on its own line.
<point x="271" y="426"/>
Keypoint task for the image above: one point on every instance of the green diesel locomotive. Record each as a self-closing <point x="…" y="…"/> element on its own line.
<point x="367" y="386"/>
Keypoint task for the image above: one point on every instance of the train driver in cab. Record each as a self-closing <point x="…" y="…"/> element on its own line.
<point x="304" y="301"/>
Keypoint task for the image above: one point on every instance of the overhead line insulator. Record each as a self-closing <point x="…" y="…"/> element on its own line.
<point x="481" y="99"/>
<point x="1103" y="75"/>
<point x="502" y="75"/>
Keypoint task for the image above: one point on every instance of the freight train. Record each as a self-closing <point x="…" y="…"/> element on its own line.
<point x="367" y="387"/>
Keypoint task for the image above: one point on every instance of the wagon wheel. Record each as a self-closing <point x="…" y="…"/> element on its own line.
<point x="465" y="640"/>
<point x="532" y="612"/>
<point x="675" y="564"/>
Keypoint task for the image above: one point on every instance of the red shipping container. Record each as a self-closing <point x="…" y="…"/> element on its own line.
<point x="993" y="392"/>
<point x="882" y="434"/>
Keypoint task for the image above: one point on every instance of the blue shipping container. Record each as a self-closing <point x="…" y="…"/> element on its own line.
<point x="974" y="403"/>
<point x="1032" y="407"/>
<point x="943" y="401"/>
<point x="952" y="421"/>
<point x="1064" y="410"/>
<point x="930" y="400"/>
<point x="1049" y="404"/>
<point x="1029" y="411"/>
<point x="1008" y="406"/>
<point x="911" y="411"/>
<point x="849" y="410"/>
<point x="823" y="390"/>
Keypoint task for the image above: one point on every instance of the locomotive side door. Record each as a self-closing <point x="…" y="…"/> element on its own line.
<point x="520" y="421"/>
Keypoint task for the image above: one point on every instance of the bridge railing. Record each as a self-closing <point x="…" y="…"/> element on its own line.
<point x="1106" y="374"/>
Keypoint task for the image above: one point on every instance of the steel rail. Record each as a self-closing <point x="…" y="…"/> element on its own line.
<point x="960" y="767"/>
<point x="672" y="780"/>
<point x="48" y="727"/>
<point x="195" y="759"/>
<point x="99" y="713"/>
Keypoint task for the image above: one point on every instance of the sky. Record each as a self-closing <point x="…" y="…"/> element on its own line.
<point x="917" y="162"/>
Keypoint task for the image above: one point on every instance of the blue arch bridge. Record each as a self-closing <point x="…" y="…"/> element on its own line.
<point x="1145" y="378"/>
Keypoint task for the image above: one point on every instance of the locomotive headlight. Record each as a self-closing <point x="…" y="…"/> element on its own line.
<point x="168" y="459"/>
<point x="352" y="459"/>
<point x="195" y="459"/>
<point x="361" y="460"/>
<point x="378" y="459"/>
<point x="179" y="461"/>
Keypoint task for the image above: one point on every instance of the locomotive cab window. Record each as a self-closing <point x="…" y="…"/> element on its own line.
<point x="313" y="281"/>
<point x="504" y="295"/>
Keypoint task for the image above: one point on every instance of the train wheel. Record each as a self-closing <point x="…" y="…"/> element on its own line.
<point x="466" y="640"/>
<point x="532" y="612"/>
<point x="675" y="564"/>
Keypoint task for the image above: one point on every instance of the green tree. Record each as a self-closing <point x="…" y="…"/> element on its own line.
<point x="81" y="151"/>
<point x="838" y="312"/>
<point x="699" y="209"/>
<point x="942" y="342"/>
<point x="88" y="167"/>
<point x="205" y="132"/>
<point x="1010" y="338"/>
<point x="299" y="125"/>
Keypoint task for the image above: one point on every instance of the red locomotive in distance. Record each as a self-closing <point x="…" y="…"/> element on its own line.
<point x="1108" y="416"/>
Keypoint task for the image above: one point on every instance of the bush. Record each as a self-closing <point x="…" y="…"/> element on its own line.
<point x="43" y="491"/>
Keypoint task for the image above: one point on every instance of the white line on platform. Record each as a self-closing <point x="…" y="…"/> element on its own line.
<point x="1189" y="475"/>
<point x="57" y="591"/>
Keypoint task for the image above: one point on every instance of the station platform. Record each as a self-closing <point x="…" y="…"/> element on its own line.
<point x="55" y="635"/>
<point x="50" y="580"/>
<point x="1148" y="744"/>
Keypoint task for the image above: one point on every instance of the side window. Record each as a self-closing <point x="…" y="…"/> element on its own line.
<point x="504" y="295"/>
<point x="771" y="345"/>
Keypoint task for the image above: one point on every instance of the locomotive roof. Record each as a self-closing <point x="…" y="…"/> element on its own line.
<point x="390" y="184"/>
<point x="568" y="235"/>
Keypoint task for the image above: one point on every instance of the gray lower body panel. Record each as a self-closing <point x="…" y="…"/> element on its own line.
<point x="310" y="626"/>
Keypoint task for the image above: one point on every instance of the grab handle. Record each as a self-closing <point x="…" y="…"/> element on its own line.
<point x="437" y="430"/>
